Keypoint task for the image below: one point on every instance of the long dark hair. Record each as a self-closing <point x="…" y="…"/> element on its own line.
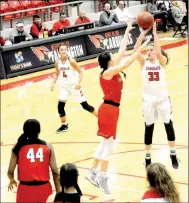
<point x="31" y="130"/>
<point x="160" y="180"/>
<point x="69" y="177"/>
<point x="103" y="61"/>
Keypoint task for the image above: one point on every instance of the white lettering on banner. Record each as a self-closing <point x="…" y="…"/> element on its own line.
<point x="114" y="42"/>
<point x="76" y="51"/>
<point x="21" y="65"/>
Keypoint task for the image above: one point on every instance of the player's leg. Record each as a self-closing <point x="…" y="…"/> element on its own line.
<point x="150" y="115"/>
<point x="165" y="111"/>
<point x="64" y="94"/>
<point x="102" y="177"/>
<point x="80" y="97"/>
<point x="91" y="176"/>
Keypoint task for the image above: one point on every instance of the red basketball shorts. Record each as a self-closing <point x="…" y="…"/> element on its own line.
<point x="31" y="194"/>
<point x="107" y="120"/>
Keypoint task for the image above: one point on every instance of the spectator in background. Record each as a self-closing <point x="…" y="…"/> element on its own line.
<point x="121" y="12"/>
<point x="37" y="29"/>
<point x="152" y="8"/>
<point x="61" y="24"/>
<point x="179" y="13"/>
<point x="19" y="31"/>
<point x="108" y="16"/>
<point x="162" y="187"/>
<point x="82" y="18"/>
<point x="2" y="41"/>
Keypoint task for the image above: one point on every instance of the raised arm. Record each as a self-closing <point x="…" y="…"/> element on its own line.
<point x="123" y="44"/>
<point x="115" y="70"/>
<point x="162" y="59"/>
<point x="140" y="39"/>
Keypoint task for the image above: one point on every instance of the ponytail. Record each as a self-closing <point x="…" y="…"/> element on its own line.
<point x="20" y="142"/>
<point x="76" y="186"/>
<point x="166" y="55"/>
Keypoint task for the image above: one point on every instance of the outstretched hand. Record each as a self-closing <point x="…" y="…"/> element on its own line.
<point x="144" y="32"/>
<point x="129" y="26"/>
<point x="146" y="42"/>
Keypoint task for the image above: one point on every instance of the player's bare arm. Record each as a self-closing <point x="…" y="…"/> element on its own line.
<point x="75" y="65"/>
<point x="162" y="59"/>
<point x="117" y="69"/>
<point x="141" y="59"/>
<point x="56" y="75"/>
<point x="123" y="45"/>
<point x="54" y="169"/>
<point x="10" y="173"/>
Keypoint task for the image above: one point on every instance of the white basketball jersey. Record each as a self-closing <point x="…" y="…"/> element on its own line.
<point x="154" y="80"/>
<point x="68" y="75"/>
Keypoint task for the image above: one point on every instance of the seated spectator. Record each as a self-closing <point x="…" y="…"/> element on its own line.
<point x="69" y="184"/>
<point x="108" y="16"/>
<point x="82" y="18"/>
<point x="162" y="187"/>
<point x="166" y="6"/>
<point x="61" y="24"/>
<point x="2" y="41"/>
<point x="178" y="13"/>
<point x="121" y="12"/>
<point x="152" y="8"/>
<point x="19" y="31"/>
<point x="37" y="29"/>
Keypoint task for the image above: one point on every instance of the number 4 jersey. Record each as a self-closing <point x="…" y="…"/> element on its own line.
<point x="68" y="75"/>
<point x="33" y="161"/>
<point x="153" y="78"/>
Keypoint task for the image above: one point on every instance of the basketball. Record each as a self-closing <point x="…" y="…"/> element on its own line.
<point x="145" y="20"/>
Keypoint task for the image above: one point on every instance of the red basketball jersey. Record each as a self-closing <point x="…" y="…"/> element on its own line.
<point x="112" y="88"/>
<point x="33" y="162"/>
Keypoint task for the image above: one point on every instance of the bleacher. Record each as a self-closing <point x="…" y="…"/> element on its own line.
<point x="49" y="16"/>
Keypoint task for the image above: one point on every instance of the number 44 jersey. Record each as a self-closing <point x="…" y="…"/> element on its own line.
<point x="154" y="80"/>
<point x="33" y="161"/>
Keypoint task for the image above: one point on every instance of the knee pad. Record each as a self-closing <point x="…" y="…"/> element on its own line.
<point x="61" y="110"/>
<point x="87" y="107"/>
<point x="170" y="131"/>
<point x="98" y="152"/>
<point x="106" y="153"/>
<point x="148" y="134"/>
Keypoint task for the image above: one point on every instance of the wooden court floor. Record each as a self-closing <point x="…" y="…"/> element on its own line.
<point x="127" y="171"/>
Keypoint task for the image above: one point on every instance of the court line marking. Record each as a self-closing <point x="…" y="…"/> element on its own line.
<point x="71" y="110"/>
<point x="38" y="78"/>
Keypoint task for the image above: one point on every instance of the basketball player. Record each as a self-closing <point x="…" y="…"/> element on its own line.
<point x="108" y="113"/>
<point x="70" y="189"/>
<point x="33" y="158"/>
<point x="156" y="101"/>
<point x="68" y="70"/>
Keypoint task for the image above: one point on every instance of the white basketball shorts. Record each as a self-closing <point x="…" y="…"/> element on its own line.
<point x="68" y="90"/>
<point x="154" y="107"/>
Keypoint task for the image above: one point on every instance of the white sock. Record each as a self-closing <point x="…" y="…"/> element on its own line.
<point x="173" y="150"/>
<point x="94" y="170"/>
<point x="148" y="154"/>
<point x="64" y="123"/>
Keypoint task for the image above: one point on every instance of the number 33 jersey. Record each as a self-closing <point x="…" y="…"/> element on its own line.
<point x="154" y="80"/>
<point x="68" y="75"/>
<point x="33" y="161"/>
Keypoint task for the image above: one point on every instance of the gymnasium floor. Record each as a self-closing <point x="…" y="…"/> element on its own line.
<point x="29" y="97"/>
